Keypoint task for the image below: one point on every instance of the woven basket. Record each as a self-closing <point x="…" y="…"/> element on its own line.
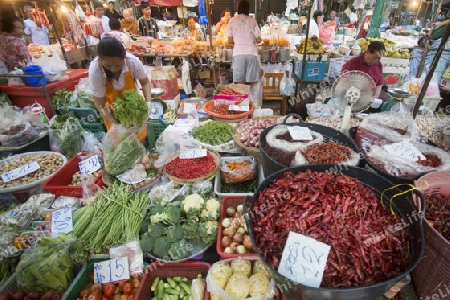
<point x="431" y="274"/>
<point x="251" y="151"/>
<point x="209" y="176"/>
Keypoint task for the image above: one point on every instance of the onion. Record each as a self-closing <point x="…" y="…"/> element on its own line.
<point x="248" y="242"/>
<point x="228" y="250"/>
<point x="230" y="211"/>
<point x="236" y="223"/>
<point x="242" y="220"/>
<point x="226" y="241"/>
<point x="240" y="209"/>
<point x="242" y="138"/>
<point x="237" y="215"/>
<point x="231" y="231"/>
<point x="241" y="230"/>
<point x="226" y="222"/>
<point x="241" y="249"/>
<point x="238" y="238"/>
<point x="234" y="246"/>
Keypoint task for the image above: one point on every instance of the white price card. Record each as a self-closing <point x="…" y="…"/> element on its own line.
<point x="89" y="165"/>
<point x="188" y="107"/>
<point x="405" y="150"/>
<point x="239" y="107"/>
<point x="304" y="259"/>
<point x="300" y="133"/>
<point x="20" y="171"/>
<point x="111" y="270"/>
<point x="61" y="221"/>
<point x="192" y="153"/>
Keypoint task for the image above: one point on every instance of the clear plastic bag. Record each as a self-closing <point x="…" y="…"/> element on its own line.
<point x="394" y="126"/>
<point x="16" y="128"/>
<point x="53" y="67"/>
<point x="65" y="135"/>
<point x="238" y="169"/>
<point x="255" y="94"/>
<point x="286" y="87"/>
<point x="132" y="250"/>
<point x="319" y="109"/>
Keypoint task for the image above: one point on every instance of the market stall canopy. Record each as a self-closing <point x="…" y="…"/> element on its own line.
<point x="166" y="2"/>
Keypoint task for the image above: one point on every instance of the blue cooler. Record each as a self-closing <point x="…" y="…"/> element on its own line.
<point x="33" y="70"/>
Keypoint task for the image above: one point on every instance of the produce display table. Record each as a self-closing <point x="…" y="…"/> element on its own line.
<point x="25" y="95"/>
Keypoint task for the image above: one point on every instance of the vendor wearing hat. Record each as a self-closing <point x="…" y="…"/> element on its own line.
<point x="369" y="62"/>
<point x="365" y="25"/>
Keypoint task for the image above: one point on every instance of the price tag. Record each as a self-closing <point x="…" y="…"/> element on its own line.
<point x="304" y="259"/>
<point x="188" y="107"/>
<point x="194" y="153"/>
<point x="239" y="107"/>
<point x="89" y="165"/>
<point x="61" y="221"/>
<point x="405" y="150"/>
<point x="300" y="133"/>
<point x="20" y="171"/>
<point x="111" y="270"/>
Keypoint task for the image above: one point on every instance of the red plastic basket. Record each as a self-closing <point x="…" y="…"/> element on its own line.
<point x="165" y="270"/>
<point x="228" y="201"/>
<point x="58" y="184"/>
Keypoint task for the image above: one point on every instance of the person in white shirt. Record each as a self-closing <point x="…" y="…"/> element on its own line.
<point x="115" y="32"/>
<point x="98" y="7"/>
<point x="33" y="33"/>
<point x="314" y="23"/>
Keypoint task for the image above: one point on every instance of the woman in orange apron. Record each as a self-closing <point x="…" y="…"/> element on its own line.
<point x="112" y="72"/>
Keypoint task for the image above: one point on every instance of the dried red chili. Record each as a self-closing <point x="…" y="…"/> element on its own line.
<point x="438" y="213"/>
<point x="191" y="168"/>
<point x="223" y="109"/>
<point x="327" y="153"/>
<point x="431" y="160"/>
<point x="337" y="210"/>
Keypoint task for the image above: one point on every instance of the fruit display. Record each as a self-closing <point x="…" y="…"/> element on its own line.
<point x="391" y="50"/>
<point x="314" y="45"/>
<point x="115" y="290"/>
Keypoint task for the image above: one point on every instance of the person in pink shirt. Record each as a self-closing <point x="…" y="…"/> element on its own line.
<point x="244" y="34"/>
<point x="326" y="31"/>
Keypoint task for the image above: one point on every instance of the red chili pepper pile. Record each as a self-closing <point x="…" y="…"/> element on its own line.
<point x="438" y="213"/>
<point x="337" y="210"/>
<point x="191" y="168"/>
<point x="223" y="109"/>
<point x="431" y="160"/>
<point x="229" y="92"/>
<point x="327" y="153"/>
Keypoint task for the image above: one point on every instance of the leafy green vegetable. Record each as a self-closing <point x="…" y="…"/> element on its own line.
<point x="214" y="133"/>
<point x="4" y="99"/>
<point x="131" y="109"/>
<point x="240" y="187"/>
<point x="121" y="158"/>
<point x="65" y="135"/>
<point x="85" y="100"/>
<point x="61" y="99"/>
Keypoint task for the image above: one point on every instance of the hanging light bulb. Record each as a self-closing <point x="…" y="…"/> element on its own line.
<point x="415" y="3"/>
<point x="64" y="9"/>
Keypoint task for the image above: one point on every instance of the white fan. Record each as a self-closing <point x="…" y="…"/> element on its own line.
<point x="357" y="90"/>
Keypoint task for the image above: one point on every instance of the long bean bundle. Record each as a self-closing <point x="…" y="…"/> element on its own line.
<point x="115" y="218"/>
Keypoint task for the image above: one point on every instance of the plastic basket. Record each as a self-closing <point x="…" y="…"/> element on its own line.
<point x="81" y="281"/>
<point x="154" y="130"/>
<point x="165" y="270"/>
<point x="94" y="127"/>
<point x="58" y="184"/>
<point x="228" y="201"/>
<point x="10" y="285"/>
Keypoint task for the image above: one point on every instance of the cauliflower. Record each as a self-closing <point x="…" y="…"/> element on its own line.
<point x="238" y="287"/>
<point x="192" y="205"/>
<point x="220" y="273"/>
<point x="208" y="231"/>
<point x="211" y="211"/>
<point x="241" y="266"/>
<point x="259" y="285"/>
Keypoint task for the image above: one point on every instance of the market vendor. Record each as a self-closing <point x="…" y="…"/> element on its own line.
<point x="13" y="49"/>
<point x="223" y="23"/>
<point x="326" y="31"/>
<point x="112" y="72"/>
<point x="369" y="62"/>
<point x="244" y="34"/>
<point x="195" y="33"/>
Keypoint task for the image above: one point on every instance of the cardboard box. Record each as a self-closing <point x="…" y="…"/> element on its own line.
<point x="173" y="103"/>
<point x="314" y="70"/>
<point x="165" y="77"/>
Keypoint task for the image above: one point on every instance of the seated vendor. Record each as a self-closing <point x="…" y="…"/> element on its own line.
<point x="369" y="62"/>
<point x="195" y="33"/>
<point x="112" y="72"/>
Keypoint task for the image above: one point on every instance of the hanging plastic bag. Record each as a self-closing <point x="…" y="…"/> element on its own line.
<point x="286" y="88"/>
<point x="186" y="79"/>
<point x="255" y="94"/>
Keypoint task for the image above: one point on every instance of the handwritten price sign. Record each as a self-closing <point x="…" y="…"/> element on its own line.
<point x="239" y="107"/>
<point x="300" y="133"/>
<point x="111" y="270"/>
<point x="89" y="165"/>
<point x="61" y="221"/>
<point x="20" y="171"/>
<point x="194" y="153"/>
<point x="405" y="150"/>
<point x="304" y="259"/>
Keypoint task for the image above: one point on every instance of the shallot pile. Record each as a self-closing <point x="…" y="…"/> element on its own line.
<point x="250" y="131"/>
<point x="337" y="210"/>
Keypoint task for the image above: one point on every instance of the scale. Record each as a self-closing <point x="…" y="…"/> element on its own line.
<point x="397" y="103"/>
<point x="356" y="91"/>
<point x="157" y="107"/>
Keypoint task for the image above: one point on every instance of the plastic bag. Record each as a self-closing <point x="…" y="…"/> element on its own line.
<point x="132" y="250"/>
<point x="52" y="65"/>
<point x="90" y="144"/>
<point x="200" y="91"/>
<point x="121" y="149"/>
<point x="168" y="190"/>
<point x="255" y="94"/>
<point x="82" y="95"/>
<point x="185" y="75"/>
<point x="15" y="127"/>
<point x="170" y="142"/>
<point x="16" y="81"/>
<point x="286" y="87"/>
<point x="275" y="142"/>
<point x="319" y="109"/>
<point x="46" y="267"/>
<point x="217" y="291"/>
<point x="234" y="170"/>
<point x="65" y="135"/>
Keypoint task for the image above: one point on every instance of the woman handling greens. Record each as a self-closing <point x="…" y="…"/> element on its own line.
<point x="113" y="72"/>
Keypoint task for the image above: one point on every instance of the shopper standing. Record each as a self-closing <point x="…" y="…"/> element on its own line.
<point x="147" y="24"/>
<point x="34" y="33"/>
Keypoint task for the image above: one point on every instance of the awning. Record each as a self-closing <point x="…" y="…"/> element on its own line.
<point x="166" y="2"/>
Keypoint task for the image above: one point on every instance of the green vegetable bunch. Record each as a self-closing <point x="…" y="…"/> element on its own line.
<point x="65" y="135"/>
<point x="214" y="133"/>
<point x="131" y="109"/>
<point x="120" y="158"/>
<point x="62" y="99"/>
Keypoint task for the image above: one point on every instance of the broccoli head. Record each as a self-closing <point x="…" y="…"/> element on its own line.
<point x="147" y="242"/>
<point x="144" y="226"/>
<point x="179" y="250"/>
<point x="161" y="247"/>
<point x="156" y="230"/>
<point x="192" y="205"/>
<point x="211" y="211"/>
<point x="208" y="231"/>
<point x="190" y="230"/>
<point x="170" y="215"/>
<point x="174" y="233"/>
